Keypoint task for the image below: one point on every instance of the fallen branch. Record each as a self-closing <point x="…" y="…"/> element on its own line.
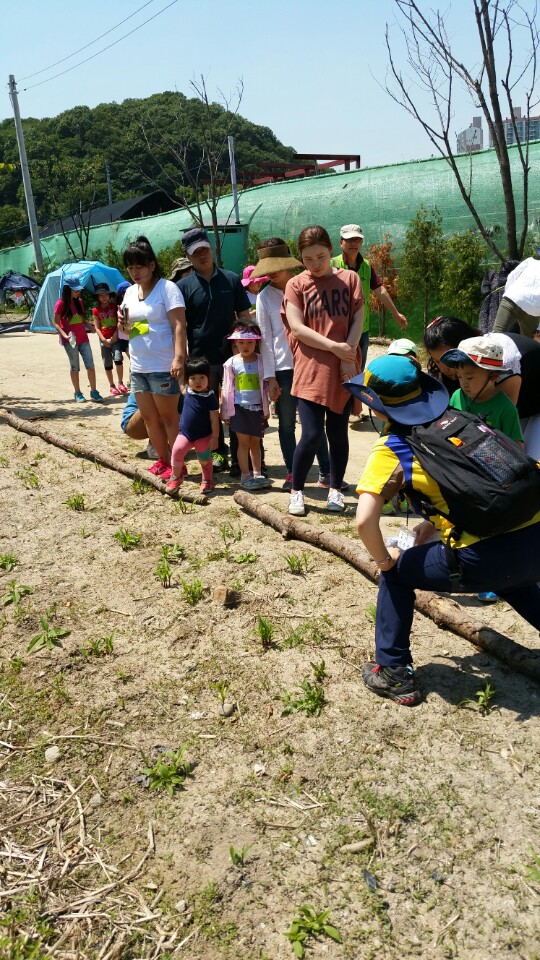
<point x="444" y="612"/>
<point x="81" y="450"/>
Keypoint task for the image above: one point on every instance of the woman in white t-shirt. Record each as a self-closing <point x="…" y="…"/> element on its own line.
<point x="153" y="314"/>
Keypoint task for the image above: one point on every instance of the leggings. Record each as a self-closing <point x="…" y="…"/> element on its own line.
<point x="202" y="448"/>
<point x="312" y="418"/>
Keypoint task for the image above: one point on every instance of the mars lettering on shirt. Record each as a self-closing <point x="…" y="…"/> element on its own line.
<point x="334" y="303"/>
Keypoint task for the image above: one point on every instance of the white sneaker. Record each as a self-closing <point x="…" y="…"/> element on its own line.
<point x="335" y="502"/>
<point x="151" y="452"/>
<point x="296" y="504"/>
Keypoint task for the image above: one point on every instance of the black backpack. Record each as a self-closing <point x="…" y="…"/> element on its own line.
<point x="490" y="484"/>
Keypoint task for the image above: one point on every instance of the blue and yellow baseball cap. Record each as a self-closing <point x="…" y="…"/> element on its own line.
<point x="394" y="385"/>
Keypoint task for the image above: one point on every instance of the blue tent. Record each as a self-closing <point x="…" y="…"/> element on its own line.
<point x="18" y="283"/>
<point x="89" y="272"/>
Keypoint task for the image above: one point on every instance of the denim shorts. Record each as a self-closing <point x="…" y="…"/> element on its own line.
<point x="85" y="350"/>
<point x="160" y="384"/>
<point x="119" y="348"/>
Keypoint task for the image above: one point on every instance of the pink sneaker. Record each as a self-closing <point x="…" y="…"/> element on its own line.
<point x="166" y="474"/>
<point x="122" y="388"/>
<point x="114" y="391"/>
<point x="158" y="467"/>
<point x="206" y="486"/>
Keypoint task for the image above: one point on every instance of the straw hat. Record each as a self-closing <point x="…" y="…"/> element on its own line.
<point x="273" y="260"/>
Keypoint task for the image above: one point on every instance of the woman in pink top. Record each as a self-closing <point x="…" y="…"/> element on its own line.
<point x="69" y="321"/>
<point x="323" y="312"/>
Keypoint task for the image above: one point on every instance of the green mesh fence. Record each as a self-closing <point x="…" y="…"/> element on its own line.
<point x="382" y="199"/>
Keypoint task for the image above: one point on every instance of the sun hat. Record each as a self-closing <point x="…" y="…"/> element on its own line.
<point x="273" y="260"/>
<point x="247" y="277"/>
<point x="394" y="385"/>
<point x="244" y="335"/>
<point x="74" y="283"/>
<point x="194" y="238"/>
<point x="480" y="351"/>
<point x="402" y="347"/>
<point x="351" y="230"/>
<point x="178" y="266"/>
<point x="102" y="288"/>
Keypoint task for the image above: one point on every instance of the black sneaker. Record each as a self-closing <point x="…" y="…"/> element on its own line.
<point x="397" y="683"/>
<point x="235" y="470"/>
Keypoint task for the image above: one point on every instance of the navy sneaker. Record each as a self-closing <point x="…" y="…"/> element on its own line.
<point x="397" y="683"/>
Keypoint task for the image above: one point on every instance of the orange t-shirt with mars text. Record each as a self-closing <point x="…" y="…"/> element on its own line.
<point x="328" y="305"/>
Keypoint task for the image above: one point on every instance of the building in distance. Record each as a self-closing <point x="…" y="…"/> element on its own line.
<point x="472" y="139"/>
<point x="528" y="128"/>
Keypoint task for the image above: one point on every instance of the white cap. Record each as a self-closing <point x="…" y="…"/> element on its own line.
<point x="351" y="230"/>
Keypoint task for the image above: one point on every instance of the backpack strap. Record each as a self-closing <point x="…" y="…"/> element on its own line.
<point x="404" y="452"/>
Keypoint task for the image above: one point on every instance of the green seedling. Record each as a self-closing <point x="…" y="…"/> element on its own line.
<point x="230" y="534"/>
<point x="29" y="479"/>
<point x="265" y="632"/>
<point x="173" y="552"/>
<point x="49" y="637"/>
<point x="371" y="612"/>
<point x="180" y="506"/>
<point x="169" y="772"/>
<point x="4" y="462"/>
<point x="163" y="572"/>
<point x="483" y="699"/>
<point x="319" y="671"/>
<point x="533" y="873"/>
<point x="246" y="558"/>
<point x="297" y="564"/>
<point x="309" y="924"/>
<point x="8" y="562"/>
<point x="99" y="648"/>
<point x="86" y="533"/>
<point x="140" y="486"/>
<point x="193" y="591"/>
<point x="222" y="688"/>
<point x="127" y="540"/>
<point x="295" y="639"/>
<point x="76" y="502"/>
<point x="311" y="703"/>
<point x="15" y="593"/>
<point x="238" y="856"/>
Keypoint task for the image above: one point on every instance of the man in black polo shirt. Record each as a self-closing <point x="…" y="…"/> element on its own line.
<point x="214" y="299"/>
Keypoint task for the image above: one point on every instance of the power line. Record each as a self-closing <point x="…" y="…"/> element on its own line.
<point x="94" y="55"/>
<point x="75" y="52"/>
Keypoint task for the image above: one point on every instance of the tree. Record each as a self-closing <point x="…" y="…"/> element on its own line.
<point x="73" y="189"/>
<point x="428" y="91"/>
<point x="381" y="258"/>
<point x="202" y="180"/>
<point x="421" y="265"/>
<point x="462" y="274"/>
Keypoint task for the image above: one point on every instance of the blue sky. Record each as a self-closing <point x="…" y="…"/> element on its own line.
<point x="313" y="70"/>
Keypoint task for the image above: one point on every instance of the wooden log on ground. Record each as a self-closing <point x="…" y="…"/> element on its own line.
<point x="81" y="450"/>
<point x="442" y="610"/>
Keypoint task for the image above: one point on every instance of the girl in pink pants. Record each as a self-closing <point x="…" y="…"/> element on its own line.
<point x="199" y="426"/>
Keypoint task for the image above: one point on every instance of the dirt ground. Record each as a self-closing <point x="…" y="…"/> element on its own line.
<point x="417" y="828"/>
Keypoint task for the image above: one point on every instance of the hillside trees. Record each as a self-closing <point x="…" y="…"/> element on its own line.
<point x="113" y="133"/>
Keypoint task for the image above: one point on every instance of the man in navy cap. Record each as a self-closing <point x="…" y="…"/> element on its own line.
<point x="214" y="299"/>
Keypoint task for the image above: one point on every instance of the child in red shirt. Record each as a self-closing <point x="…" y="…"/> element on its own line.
<point x="105" y="322"/>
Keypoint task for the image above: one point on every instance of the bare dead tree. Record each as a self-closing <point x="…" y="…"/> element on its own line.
<point x="427" y="92"/>
<point x="199" y="162"/>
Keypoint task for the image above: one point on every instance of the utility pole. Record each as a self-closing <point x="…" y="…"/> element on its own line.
<point x="230" y="141"/>
<point x="34" y="232"/>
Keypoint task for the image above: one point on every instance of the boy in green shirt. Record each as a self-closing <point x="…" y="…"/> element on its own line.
<point x="479" y="363"/>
